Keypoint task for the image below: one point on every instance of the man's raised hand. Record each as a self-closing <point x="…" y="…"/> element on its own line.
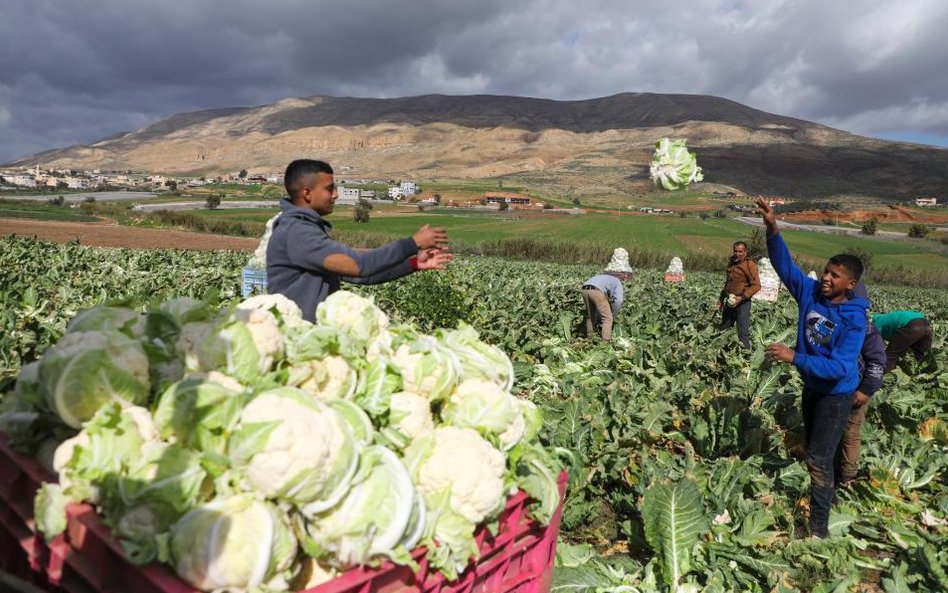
<point x="428" y="236"/>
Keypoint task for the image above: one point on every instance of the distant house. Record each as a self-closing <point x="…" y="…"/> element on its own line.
<point x="395" y="192"/>
<point x="926" y="201"/>
<point x="512" y="199"/>
<point x="408" y="188"/>
<point x="349" y="195"/>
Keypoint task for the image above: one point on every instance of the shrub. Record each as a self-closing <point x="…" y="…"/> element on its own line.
<point x="870" y="226"/>
<point x="918" y="230"/>
<point x="361" y="213"/>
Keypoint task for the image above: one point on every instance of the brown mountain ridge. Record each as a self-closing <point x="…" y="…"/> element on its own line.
<point x="591" y="147"/>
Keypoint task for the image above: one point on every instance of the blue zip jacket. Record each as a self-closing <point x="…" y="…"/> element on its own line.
<point x="299" y="246"/>
<point x="829" y="335"/>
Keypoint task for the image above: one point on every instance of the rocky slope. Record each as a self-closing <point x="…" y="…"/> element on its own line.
<point x="591" y="147"/>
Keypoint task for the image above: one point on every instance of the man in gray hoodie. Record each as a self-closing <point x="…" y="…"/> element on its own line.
<point x="306" y="265"/>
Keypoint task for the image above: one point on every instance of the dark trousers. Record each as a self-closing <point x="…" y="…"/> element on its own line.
<point x="742" y="315"/>
<point x="824" y="420"/>
<point x="917" y="335"/>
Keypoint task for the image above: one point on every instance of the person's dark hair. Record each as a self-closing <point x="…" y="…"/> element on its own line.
<point x="851" y="263"/>
<point x="736" y="243"/>
<point x="300" y="168"/>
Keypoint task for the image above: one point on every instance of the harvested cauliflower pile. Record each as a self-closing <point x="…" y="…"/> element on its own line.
<point x="249" y="449"/>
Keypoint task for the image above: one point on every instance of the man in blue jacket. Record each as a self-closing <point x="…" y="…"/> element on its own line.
<point x="306" y="265"/>
<point x="830" y="334"/>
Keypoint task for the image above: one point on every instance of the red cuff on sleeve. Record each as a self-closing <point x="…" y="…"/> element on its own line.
<point x="414" y="262"/>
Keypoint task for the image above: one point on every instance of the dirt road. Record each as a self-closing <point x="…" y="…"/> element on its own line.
<point x="106" y="234"/>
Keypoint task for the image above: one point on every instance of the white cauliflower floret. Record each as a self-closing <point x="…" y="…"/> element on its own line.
<point x="470" y="467"/>
<point x="328" y="378"/>
<point x="380" y="347"/>
<point x="481" y="404"/>
<point x="306" y="442"/>
<point x="431" y="372"/>
<point x="219" y="378"/>
<point x="289" y="311"/>
<point x="267" y="337"/>
<point x="355" y="316"/>
<point x="410" y="413"/>
<point x="143" y="422"/>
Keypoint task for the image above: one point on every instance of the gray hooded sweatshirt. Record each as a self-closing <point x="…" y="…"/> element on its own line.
<point x="299" y="246"/>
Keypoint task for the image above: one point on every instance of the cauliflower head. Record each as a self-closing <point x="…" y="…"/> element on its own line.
<point x="410" y="413"/>
<point x="292" y="447"/>
<point x="462" y="462"/>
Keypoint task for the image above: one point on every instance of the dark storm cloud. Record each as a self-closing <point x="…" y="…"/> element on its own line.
<point x="74" y="71"/>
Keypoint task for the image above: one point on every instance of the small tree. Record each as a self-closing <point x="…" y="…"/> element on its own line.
<point x="870" y="226"/>
<point x="683" y="214"/>
<point x="757" y="243"/>
<point x="503" y="205"/>
<point x="242" y="174"/>
<point x="918" y="230"/>
<point x="57" y="201"/>
<point x="362" y="209"/>
<point x="720" y="214"/>
<point x="171" y="184"/>
<point x="703" y="215"/>
<point x="213" y="201"/>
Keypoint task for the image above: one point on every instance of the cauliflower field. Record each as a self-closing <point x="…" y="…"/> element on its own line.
<point x="682" y="449"/>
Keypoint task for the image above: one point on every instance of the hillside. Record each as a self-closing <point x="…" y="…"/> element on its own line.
<point x="592" y="147"/>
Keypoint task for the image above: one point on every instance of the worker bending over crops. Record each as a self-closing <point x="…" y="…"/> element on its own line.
<point x="603" y="294"/>
<point x="830" y="334"/>
<point x="306" y="265"/>
<point x="903" y="330"/>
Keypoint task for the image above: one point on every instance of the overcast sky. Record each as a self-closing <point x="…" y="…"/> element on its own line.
<point x="75" y="71"/>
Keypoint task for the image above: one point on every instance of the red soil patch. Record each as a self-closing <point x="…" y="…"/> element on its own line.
<point x="108" y="234"/>
<point x="883" y="214"/>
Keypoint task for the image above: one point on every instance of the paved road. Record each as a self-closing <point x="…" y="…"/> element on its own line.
<point x="100" y="196"/>
<point x="820" y="228"/>
<point x="195" y="205"/>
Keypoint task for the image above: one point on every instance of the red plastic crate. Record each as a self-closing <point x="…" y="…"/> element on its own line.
<point x="518" y="559"/>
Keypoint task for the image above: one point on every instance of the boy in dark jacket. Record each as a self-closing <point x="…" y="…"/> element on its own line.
<point x="830" y="334"/>
<point x="872" y="364"/>
<point x="306" y="265"/>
